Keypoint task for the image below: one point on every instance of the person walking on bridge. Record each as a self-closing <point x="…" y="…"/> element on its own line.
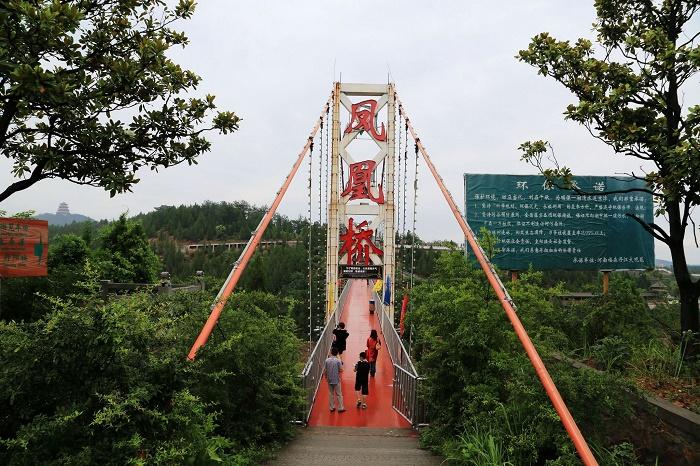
<point x="362" y="380"/>
<point x="340" y="336"/>
<point x="373" y="345"/>
<point x="334" y="367"/>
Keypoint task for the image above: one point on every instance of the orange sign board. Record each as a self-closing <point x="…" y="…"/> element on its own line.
<point x="24" y="247"/>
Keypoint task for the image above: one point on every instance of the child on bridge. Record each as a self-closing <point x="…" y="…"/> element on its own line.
<point x="362" y="380"/>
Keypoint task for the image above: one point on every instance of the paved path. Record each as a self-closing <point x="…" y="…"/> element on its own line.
<point x="379" y="413"/>
<point x="354" y="446"/>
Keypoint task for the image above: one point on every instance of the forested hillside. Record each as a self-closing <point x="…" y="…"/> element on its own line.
<point x="201" y="222"/>
<point x="217" y="220"/>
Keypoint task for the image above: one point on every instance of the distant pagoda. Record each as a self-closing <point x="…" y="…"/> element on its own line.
<point x="63" y="209"/>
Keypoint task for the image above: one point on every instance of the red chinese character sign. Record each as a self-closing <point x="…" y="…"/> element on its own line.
<point x="24" y="247"/>
<point x="357" y="243"/>
<point x="359" y="183"/>
<point x="362" y="118"/>
<point x="361" y="212"/>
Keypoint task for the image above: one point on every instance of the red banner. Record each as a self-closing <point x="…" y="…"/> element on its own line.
<point x="404" y="308"/>
<point x="24" y="247"/>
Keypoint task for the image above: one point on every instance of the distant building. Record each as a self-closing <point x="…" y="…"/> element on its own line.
<point x="63" y="209"/>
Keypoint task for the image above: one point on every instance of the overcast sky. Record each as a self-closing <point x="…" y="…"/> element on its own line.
<point x="274" y="62"/>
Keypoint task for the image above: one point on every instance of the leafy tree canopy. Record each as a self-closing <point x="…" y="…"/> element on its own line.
<point x="88" y="93"/>
<point x="630" y="96"/>
<point x="68" y="250"/>
<point x="124" y="254"/>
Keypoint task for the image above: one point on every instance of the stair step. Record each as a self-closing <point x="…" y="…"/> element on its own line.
<point x="351" y="446"/>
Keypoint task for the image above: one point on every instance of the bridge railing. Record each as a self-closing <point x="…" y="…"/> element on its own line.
<point x="392" y="340"/>
<point x="405" y="398"/>
<point x="313" y="371"/>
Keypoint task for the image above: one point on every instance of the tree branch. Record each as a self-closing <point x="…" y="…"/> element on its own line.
<point x="695" y="233"/>
<point x="37" y="175"/>
<point x="651" y="228"/>
<point x="8" y="112"/>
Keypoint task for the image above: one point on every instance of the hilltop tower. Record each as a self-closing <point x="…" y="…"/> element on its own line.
<point x="63" y="209"/>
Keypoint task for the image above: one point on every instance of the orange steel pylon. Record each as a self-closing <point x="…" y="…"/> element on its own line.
<point x="249" y="249"/>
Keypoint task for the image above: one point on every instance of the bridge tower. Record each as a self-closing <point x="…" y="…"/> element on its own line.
<point x="361" y="205"/>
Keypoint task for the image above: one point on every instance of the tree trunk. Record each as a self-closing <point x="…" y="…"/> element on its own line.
<point x="688" y="290"/>
<point x="689" y="310"/>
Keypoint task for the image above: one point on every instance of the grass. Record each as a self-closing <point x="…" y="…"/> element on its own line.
<point x="479" y="447"/>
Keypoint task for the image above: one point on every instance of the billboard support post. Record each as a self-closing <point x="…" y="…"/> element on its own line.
<point x="606" y="281"/>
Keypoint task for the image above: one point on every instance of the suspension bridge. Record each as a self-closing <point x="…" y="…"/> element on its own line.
<point x="367" y="173"/>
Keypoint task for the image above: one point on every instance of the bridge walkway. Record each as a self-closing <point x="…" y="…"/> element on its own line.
<point x="379" y="413"/>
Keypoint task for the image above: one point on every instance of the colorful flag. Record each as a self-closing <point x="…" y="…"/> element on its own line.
<point x="404" y="308"/>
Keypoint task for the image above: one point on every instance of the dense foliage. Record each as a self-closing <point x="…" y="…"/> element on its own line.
<point x="124" y="254"/>
<point x="486" y="403"/>
<point x="89" y="94"/>
<point x="97" y="382"/>
<point x="631" y="92"/>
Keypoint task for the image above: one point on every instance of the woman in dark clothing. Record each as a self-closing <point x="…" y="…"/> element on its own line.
<point x="340" y="338"/>
<point x="373" y="345"/>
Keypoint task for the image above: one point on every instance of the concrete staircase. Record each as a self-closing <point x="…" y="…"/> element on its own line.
<point x="350" y="446"/>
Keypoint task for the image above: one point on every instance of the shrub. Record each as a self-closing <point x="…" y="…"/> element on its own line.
<point x="485" y="400"/>
<point x="94" y="383"/>
<point x="612" y="352"/>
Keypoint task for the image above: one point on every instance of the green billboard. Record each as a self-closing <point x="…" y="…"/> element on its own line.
<point x="552" y="228"/>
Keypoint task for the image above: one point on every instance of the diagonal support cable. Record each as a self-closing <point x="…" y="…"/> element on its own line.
<point x="567" y="420"/>
<point x="240" y="265"/>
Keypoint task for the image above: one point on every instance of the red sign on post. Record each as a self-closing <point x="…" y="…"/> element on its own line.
<point x="24" y="247"/>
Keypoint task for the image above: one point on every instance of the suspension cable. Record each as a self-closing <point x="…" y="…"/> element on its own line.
<point x="415" y="208"/>
<point x="511" y="311"/>
<point x="242" y="261"/>
<point x="399" y="264"/>
<point x="405" y="188"/>
<point x="322" y="265"/>
<point x="320" y="241"/>
<point x="320" y="174"/>
<point x="317" y="252"/>
<point x="327" y="164"/>
<point x="311" y="226"/>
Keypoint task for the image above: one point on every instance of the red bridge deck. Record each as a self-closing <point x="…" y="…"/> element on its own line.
<point x="379" y="413"/>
